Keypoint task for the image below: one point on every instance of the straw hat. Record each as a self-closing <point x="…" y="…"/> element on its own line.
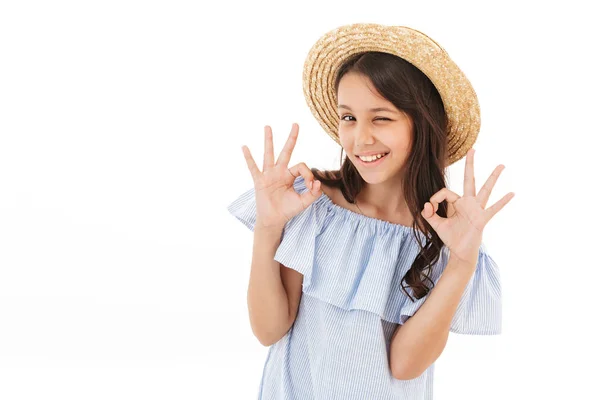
<point x="333" y="48"/>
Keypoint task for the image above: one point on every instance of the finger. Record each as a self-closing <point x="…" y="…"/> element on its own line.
<point x="441" y="195"/>
<point x="430" y="208"/>
<point x="254" y="171"/>
<point x="499" y="205"/>
<point x="484" y="193"/>
<point x="469" y="185"/>
<point x="429" y="213"/>
<point x="269" y="156"/>
<point x="286" y="152"/>
<point x="311" y="195"/>
<point x="301" y="169"/>
<point x="451" y="210"/>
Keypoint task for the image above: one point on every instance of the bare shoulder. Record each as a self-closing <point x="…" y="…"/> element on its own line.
<point x="328" y="190"/>
<point x="336" y="196"/>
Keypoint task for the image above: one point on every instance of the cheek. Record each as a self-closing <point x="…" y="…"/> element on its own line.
<point x="400" y="140"/>
<point x="401" y="143"/>
<point x="393" y="138"/>
<point x="345" y="141"/>
<point x="348" y="147"/>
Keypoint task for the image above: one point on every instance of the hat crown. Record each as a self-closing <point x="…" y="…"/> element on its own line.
<point x="331" y="50"/>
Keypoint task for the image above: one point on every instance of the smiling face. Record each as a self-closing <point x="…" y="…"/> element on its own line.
<point x="365" y="130"/>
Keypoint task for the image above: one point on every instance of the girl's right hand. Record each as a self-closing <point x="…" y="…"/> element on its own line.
<point x="276" y="200"/>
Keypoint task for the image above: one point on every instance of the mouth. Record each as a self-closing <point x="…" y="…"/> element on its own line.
<point x="373" y="163"/>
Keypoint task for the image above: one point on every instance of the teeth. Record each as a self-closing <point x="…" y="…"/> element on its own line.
<point x="371" y="158"/>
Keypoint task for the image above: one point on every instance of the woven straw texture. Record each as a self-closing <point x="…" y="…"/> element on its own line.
<point x="330" y="51"/>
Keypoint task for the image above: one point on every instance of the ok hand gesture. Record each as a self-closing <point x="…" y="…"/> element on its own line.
<point x="462" y="231"/>
<point x="276" y="200"/>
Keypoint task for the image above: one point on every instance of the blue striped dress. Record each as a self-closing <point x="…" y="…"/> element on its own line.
<point x="338" y="346"/>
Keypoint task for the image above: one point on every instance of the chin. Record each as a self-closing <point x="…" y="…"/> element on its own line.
<point x="373" y="178"/>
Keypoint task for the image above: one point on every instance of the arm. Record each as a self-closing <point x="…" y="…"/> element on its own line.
<point x="420" y="341"/>
<point x="271" y="312"/>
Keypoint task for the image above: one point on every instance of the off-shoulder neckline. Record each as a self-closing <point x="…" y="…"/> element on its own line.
<point x="372" y="220"/>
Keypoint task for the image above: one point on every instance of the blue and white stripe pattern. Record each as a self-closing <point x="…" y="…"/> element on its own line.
<point x="338" y="347"/>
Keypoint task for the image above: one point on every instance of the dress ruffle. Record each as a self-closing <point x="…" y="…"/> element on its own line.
<point x="357" y="262"/>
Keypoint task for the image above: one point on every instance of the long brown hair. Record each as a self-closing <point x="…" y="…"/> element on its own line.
<point x="410" y="91"/>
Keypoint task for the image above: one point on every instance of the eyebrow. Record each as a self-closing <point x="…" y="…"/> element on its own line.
<point x="372" y="109"/>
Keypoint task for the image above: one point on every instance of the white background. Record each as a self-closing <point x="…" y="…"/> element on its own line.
<point x="122" y="275"/>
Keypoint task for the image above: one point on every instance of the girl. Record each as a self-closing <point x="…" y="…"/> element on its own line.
<point x="359" y="274"/>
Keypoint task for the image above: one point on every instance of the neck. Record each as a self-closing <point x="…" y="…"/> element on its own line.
<point x="383" y="200"/>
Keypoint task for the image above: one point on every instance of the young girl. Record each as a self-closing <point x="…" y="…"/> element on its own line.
<point x="359" y="274"/>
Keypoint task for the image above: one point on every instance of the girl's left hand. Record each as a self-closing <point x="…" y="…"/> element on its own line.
<point x="462" y="231"/>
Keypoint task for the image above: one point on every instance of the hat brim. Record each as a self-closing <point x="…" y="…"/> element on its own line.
<point x="332" y="49"/>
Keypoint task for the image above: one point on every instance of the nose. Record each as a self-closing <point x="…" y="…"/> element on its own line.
<point x="363" y="136"/>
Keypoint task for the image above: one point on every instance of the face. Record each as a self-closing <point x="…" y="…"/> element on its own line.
<point x="363" y="130"/>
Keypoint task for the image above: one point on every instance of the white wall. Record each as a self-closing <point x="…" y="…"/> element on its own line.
<point x="122" y="275"/>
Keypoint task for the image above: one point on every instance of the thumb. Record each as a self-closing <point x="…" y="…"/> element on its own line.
<point x="430" y="216"/>
<point x="309" y="196"/>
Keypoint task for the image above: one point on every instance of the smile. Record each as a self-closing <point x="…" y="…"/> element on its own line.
<point x="372" y="163"/>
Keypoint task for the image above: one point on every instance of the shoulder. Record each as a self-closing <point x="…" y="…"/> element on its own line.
<point x="336" y="196"/>
<point x="328" y="190"/>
